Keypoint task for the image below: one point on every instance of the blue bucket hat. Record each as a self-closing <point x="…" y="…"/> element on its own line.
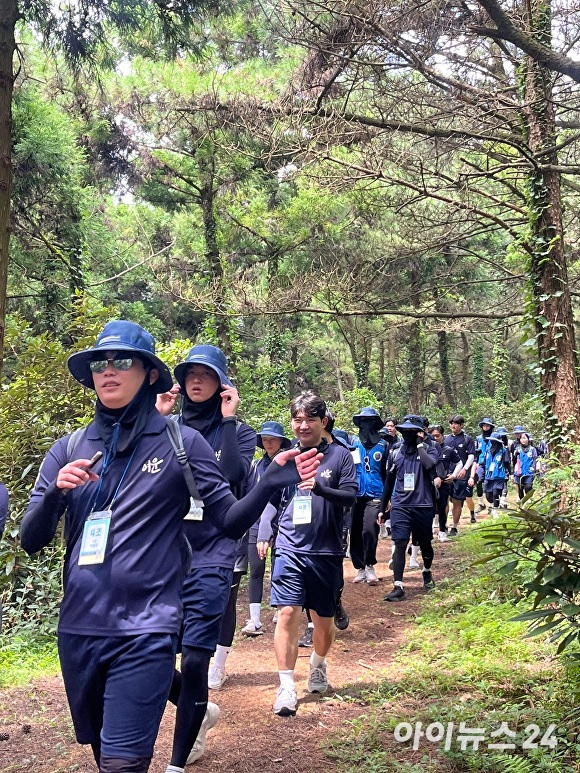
<point x="273" y="429"/>
<point x="519" y="428"/>
<point x="486" y="420"/>
<point x="120" y="336"/>
<point x="203" y="354"/>
<point x="367" y="413"/>
<point x="496" y="437"/>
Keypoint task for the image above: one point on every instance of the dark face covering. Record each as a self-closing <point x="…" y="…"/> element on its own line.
<point x="121" y="428"/>
<point x="486" y="432"/>
<point x="410" y="438"/>
<point x="369" y="432"/>
<point x="205" y="416"/>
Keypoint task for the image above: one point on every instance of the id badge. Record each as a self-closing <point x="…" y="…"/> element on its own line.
<point x="95" y="535"/>
<point x="409" y="481"/>
<point x="302" y="509"/>
<point x="195" y="510"/>
<point x="492" y="467"/>
<point x="355" y="453"/>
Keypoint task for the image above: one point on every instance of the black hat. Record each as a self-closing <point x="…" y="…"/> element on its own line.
<point x="120" y="336"/>
<point x="411" y="422"/>
<point x="367" y="413"/>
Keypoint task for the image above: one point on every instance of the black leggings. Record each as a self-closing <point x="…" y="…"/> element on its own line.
<point x="525" y="485"/>
<point x="257" y="571"/>
<point x="189" y="693"/>
<point x="399" y="557"/>
<point x="118" y="765"/>
<point x="228" y="626"/>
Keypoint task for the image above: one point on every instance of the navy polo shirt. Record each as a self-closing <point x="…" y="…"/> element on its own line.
<point x="423" y="493"/>
<point x="323" y="536"/>
<point x="137" y="588"/>
<point x="209" y="545"/>
<point x="462" y="443"/>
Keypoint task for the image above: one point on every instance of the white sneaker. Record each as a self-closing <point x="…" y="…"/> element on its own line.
<point x="317" y="681"/>
<point x="371" y="576"/>
<point x="216" y="677"/>
<point x="275" y="618"/>
<point x="361" y="576"/>
<point x="494" y="512"/>
<point x="286" y="702"/>
<point x="413" y="563"/>
<point x="211" y="717"/>
<point x="383" y="534"/>
<point x="443" y="536"/>
<point x="251" y="629"/>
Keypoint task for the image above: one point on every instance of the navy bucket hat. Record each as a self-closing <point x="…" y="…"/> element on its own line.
<point x="273" y="429"/>
<point x="411" y="422"/>
<point x="121" y="335"/>
<point x="486" y="420"/>
<point x="203" y="354"/>
<point x="367" y="413"/>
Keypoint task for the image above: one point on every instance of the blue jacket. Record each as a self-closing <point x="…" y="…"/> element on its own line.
<point x="496" y="463"/>
<point x="370" y="471"/>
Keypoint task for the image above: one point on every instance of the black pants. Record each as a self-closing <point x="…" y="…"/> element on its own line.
<point x="257" y="571"/>
<point x="364" y="532"/>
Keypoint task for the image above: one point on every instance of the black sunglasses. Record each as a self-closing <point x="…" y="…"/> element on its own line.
<point x="119" y="363"/>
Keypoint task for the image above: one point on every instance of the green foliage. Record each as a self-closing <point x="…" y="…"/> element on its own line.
<point x="351" y="404"/>
<point x="23" y="659"/>
<point x="544" y="535"/>
<point x="39" y="404"/>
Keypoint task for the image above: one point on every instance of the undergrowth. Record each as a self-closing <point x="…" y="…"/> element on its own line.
<point x="465" y="661"/>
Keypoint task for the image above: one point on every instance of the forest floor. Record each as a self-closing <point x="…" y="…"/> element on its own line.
<point x="36" y="732"/>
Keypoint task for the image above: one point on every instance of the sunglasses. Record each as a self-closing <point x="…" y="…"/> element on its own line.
<point x="119" y="363"/>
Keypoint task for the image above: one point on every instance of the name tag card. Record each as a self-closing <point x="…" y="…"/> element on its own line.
<point x="195" y="510"/>
<point x="302" y="509"/>
<point x="95" y="535"/>
<point x="409" y="481"/>
<point x="355" y="453"/>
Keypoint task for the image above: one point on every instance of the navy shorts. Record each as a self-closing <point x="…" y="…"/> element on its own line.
<point x="494" y="487"/>
<point x="418" y="520"/>
<point x="117" y="688"/>
<point x="461" y="491"/>
<point x="310" y="581"/>
<point x="205" y="597"/>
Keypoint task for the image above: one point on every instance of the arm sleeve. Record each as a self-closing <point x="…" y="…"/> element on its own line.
<point x="428" y="457"/>
<point x="342" y="497"/>
<point x="390" y="481"/>
<point x="265" y="531"/>
<point x="3" y="507"/>
<point x="238" y="446"/>
<point x="47" y="502"/>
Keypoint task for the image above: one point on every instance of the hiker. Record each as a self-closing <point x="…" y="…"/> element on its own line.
<point x="126" y="557"/>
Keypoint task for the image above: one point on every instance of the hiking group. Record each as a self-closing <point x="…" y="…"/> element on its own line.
<point x="164" y="514"/>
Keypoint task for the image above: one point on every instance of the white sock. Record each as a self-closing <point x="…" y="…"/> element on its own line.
<point x="220" y="657"/>
<point x="255" y="614"/>
<point x="287" y="679"/>
<point x="174" y="769"/>
<point x="414" y="551"/>
<point x="481" y="502"/>
<point x="399" y="583"/>
<point x="310" y="625"/>
<point x="393" y="546"/>
<point x="316" y="660"/>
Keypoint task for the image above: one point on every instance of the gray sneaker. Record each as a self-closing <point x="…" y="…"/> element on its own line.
<point x="211" y="717"/>
<point x="317" y="681"/>
<point x="286" y="702"/>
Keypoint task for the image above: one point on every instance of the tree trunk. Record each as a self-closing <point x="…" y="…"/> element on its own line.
<point x="551" y="302"/>
<point x="443" y="348"/>
<point x="8" y="17"/>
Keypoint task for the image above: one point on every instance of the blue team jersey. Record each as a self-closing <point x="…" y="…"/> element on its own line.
<point x="525" y="461"/>
<point x="496" y="463"/>
<point x="370" y="469"/>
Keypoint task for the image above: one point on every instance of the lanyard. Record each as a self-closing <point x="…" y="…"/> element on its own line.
<point x="116" y="493"/>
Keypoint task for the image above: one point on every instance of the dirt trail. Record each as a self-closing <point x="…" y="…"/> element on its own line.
<point x="248" y="737"/>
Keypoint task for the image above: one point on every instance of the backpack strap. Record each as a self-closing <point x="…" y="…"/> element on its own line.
<point x="174" y="432"/>
<point x="73" y="441"/>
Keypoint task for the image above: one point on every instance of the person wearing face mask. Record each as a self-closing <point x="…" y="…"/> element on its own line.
<point x="370" y="471"/>
<point x="448" y="467"/>
<point x="126" y="561"/>
<point x="481" y="444"/>
<point x="209" y="401"/>
<point x="526" y="464"/>
<point x="272" y="440"/>
<point x="410" y="474"/>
